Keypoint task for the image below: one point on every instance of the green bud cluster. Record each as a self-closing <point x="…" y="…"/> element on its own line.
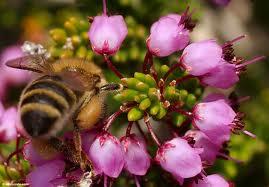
<point x="71" y="40"/>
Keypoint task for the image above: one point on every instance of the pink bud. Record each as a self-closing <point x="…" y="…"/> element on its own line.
<point x="210" y="150"/>
<point x="167" y="36"/>
<point x="201" y="57"/>
<point x="8" y="122"/>
<point x="223" y="76"/>
<point x="11" y="75"/>
<point x="137" y="159"/>
<point x="107" y="155"/>
<point x="211" y="180"/>
<point x="179" y="158"/>
<point x="216" y="96"/>
<point x="214" y="119"/>
<point x="107" y="34"/>
<point x="44" y="175"/>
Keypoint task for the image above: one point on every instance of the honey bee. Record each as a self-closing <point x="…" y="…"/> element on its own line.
<point x="67" y="94"/>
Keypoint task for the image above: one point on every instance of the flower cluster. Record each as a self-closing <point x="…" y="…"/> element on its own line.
<point x="157" y="95"/>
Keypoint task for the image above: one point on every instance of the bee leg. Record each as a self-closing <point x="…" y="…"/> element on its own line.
<point x="111" y="87"/>
<point x="77" y="143"/>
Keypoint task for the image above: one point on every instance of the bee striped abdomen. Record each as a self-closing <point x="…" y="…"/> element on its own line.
<point x="43" y="102"/>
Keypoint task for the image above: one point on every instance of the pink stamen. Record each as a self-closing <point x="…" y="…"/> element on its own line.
<point x="249" y="134"/>
<point x="256" y="59"/>
<point x="105" y="181"/>
<point x="104" y="7"/>
<point x="136" y="181"/>
<point x="231" y="158"/>
<point x="234" y="40"/>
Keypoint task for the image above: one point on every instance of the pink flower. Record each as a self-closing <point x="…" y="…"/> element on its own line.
<point x="211" y="181"/>
<point x="107" y="34"/>
<point x="201" y="57"/>
<point x="8" y="121"/>
<point x="221" y="2"/>
<point x="216" y="96"/>
<point x="210" y="150"/>
<point x="87" y="138"/>
<point x="167" y="36"/>
<point x="224" y="75"/>
<point x="180" y="159"/>
<point x="107" y="155"/>
<point x="46" y="174"/>
<point x="137" y="159"/>
<point x="34" y="157"/>
<point x="13" y="76"/>
<point x="214" y="119"/>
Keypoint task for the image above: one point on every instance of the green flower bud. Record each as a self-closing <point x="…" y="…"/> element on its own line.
<point x="150" y="81"/>
<point x="163" y="70"/>
<point x="58" y="35"/>
<point x="183" y="94"/>
<point x="81" y="52"/>
<point x="162" y="112"/>
<point x="154" y="94"/>
<point x="154" y="108"/>
<point x="142" y="87"/>
<point x="191" y="100"/>
<point x="171" y="93"/>
<point x="145" y="104"/>
<point x="130" y="82"/>
<point x="140" y="76"/>
<point x="76" y="40"/>
<point x="128" y="95"/>
<point x="140" y="97"/>
<point x="135" y="114"/>
<point x="70" y="27"/>
<point x="84" y="37"/>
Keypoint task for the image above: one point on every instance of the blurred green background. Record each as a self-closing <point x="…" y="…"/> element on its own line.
<point x="31" y="20"/>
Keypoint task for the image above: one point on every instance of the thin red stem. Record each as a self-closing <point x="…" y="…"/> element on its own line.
<point x="182" y="79"/>
<point x="153" y="135"/>
<point x="111" y="119"/>
<point x="172" y="68"/>
<point x="8" y="160"/>
<point x="147" y="63"/>
<point x="112" y="67"/>
<point x="17" y="155"/>
<point x="104" y="7"/>
<point x="183" y="112"/>
<point x="129" y="128"/>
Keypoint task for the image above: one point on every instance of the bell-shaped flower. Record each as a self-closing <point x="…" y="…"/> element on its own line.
<point x="46" y="174"/>
<point x="8" y="121"/>
<point x="180" y="159"/>
<point x="107" y="155"/>
<point x="223" y="76"/>
<point x="210" y="149"/>
<point x="211" y="181"/>
<point x="214" y="119"/>
<point x="137" y="159"/>
<point x="201" y="57"/>
<point x="167" y="36"/>
<point x="107" y="33"/>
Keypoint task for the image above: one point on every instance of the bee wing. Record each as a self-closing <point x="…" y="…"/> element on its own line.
<point x="35" y="63"/>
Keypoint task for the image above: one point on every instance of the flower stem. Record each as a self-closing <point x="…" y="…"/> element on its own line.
<point x="112" y="67"/>
<point x="183" y="112"/>
<point x="136" y="181"/>
<point x="104" y="7"/>
<point x="111" y="119"/>
<point x="182" y="79"/>
<point x="129" y="128"/>
<point x="153" y="135"/>
<point x="148" y="66"/>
